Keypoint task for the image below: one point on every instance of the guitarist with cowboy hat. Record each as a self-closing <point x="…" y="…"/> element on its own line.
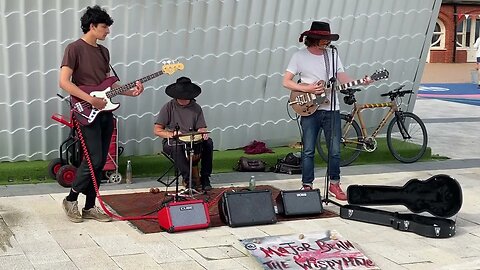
<point x="314" y="65"/>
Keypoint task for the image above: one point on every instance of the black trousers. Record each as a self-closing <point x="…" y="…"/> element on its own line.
<point x="97" y="137"/>
<point x="183" y="164"/>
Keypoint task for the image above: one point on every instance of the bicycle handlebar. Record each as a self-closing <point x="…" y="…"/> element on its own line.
<point x="397" y="93"/>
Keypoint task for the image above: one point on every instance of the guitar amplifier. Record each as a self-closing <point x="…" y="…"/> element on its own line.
<point x="299" y="202"/>
<point x="185" y="215"/>
<point x="244" y="208"/>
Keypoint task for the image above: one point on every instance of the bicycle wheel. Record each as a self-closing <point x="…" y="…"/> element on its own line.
<point x="350" y="145"/>
<point x="407" y="150"/>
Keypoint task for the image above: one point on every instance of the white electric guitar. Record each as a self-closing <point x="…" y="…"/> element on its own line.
<point x="307" y="103"/>
<point x="84" y="111"/>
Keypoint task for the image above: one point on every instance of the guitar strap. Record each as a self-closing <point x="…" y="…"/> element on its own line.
<point x="106" y="60"/>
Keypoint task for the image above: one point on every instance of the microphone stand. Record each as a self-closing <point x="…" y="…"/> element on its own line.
<point x="177" y="175"/>
<point x="333" y="102"/>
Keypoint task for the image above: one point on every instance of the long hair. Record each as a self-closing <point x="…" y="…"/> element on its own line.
<point x="95" y="15"/>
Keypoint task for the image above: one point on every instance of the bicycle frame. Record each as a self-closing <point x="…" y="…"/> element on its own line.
<point x="356" y="113"/>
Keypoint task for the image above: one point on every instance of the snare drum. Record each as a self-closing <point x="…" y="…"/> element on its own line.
<point x="188" y="138"/>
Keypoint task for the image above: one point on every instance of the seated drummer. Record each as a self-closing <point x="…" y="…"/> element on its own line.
<point x="183" y="113"/>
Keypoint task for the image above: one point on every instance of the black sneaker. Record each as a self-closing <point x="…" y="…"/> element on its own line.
<point x="206" y="183"/>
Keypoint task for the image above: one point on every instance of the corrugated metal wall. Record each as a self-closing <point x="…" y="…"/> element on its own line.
<point x="236" y="50"/>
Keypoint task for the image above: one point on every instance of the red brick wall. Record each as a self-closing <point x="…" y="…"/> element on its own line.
<point x="446" y="15"/>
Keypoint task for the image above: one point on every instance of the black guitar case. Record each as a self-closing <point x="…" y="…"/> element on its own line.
<point x="440" y="195"/>
<point x="425" y="226"/>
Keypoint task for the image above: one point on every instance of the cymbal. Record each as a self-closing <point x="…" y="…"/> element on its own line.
<point x="192" y="133"/>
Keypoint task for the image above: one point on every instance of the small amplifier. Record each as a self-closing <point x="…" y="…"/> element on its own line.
<point x="246" y="208"/>
<point x="183" y="216"/>
<point x="299" y="202"/>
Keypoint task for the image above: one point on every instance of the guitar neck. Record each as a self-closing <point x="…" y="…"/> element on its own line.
<point x="349" y="84"/>
<point x="128" y="86"/>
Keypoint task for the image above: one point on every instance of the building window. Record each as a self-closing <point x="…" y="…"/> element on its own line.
<point x="468" y="31"/>
<point x="438" y="37"/>
<point x="463" y="33"/>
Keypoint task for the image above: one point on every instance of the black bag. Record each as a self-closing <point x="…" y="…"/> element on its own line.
<point x="290" y="164"/>
<point x="250" y="165"/>
<point x="292" y="159"/>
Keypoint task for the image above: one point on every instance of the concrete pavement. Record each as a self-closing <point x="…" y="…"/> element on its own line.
<point x="35" y="234"/>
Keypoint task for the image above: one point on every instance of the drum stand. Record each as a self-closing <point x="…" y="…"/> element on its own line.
<point x="191" y="191"/>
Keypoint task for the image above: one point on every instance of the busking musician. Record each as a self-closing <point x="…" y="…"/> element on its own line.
<point x="182" y="115"/>
<point x="316" y="64"/>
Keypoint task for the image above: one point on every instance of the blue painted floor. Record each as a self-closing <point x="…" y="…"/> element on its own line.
<point x="465" y="93"/>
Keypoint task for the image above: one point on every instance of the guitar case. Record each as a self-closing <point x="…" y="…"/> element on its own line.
<point x="440" y="195"/>
<point x="422" y="225"/>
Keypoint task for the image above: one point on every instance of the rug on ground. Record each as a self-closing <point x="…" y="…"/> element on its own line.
<point x="147" y="204"/>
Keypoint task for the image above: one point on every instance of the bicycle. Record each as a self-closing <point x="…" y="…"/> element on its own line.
<point x="406" y="139"/>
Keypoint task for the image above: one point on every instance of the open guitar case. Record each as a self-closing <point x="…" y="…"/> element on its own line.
<point x="440" y="196"/>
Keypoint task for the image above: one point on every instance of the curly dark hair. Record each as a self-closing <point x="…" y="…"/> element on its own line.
<point x="95" y="15"/>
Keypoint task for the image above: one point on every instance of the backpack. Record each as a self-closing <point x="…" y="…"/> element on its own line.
<point x="250" y="165"/>
<point x="290" y="164"/>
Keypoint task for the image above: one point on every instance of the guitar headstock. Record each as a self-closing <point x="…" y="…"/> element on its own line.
<point x="169" y="67"/>
<point x="380" y="74"/>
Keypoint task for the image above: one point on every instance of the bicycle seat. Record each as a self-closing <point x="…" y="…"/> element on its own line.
<point x="349" y="91"/>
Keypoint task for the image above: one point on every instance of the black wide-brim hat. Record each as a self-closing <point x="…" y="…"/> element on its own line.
<point x="183" y="89"/>
<point x="319" y="30"/>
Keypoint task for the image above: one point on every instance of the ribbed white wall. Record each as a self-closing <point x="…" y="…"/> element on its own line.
<point x="236" y="50"/>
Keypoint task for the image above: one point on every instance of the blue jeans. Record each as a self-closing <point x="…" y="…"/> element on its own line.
<point x="311" y="125"/>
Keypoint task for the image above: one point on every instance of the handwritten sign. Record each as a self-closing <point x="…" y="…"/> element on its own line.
<point x="317" y="251"/>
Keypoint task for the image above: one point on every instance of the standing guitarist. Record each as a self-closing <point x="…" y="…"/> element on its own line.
<point x="86" y="63"/>
<point x="316" y="65"/>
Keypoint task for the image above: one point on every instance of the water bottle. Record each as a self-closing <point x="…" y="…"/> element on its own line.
<point x="251" y="183"/>
<point x="128" y="178"/>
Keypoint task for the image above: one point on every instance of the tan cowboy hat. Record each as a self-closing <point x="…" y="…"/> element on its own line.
<point x="183" y="89"/>
<point x="319" y="30"/>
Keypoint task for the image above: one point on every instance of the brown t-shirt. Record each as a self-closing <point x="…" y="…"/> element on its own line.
<point x="89" y="66"/>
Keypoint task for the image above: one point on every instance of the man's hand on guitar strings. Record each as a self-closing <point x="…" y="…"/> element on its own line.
<point x="367" y="80"/>
<point x="138" y="89"/>
<point x="98" y="103"/>
<point x="314" y="88"/>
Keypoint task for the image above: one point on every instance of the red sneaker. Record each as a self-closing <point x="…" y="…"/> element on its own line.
<point x="337" y="191"/>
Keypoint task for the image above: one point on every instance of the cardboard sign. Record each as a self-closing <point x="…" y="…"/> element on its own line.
<point x="327" y="250"/>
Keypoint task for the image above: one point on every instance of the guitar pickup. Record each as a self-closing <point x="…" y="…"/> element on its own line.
<point x="78" y="107"/>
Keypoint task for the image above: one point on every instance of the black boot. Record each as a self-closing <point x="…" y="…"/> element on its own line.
<point x="206" y="183"/>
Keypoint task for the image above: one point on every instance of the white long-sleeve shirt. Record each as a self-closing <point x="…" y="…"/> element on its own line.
<point x="477" y="47"/>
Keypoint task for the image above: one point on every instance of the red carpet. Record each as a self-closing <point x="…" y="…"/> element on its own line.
<point x="148" y="204"/>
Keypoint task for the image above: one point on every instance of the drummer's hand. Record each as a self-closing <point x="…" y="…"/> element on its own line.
<point x="175" y="134"/>
<point x="204" y="136"/>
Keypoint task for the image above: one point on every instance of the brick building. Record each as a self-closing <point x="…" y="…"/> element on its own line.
<point x="457" y="28"/>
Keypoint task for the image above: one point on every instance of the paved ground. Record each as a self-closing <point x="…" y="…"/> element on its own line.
<point x="35" y="234"/>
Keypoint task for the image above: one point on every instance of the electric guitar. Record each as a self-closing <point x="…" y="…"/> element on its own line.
<point x="307" y="103"/>
<point x="84" y="111"/>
